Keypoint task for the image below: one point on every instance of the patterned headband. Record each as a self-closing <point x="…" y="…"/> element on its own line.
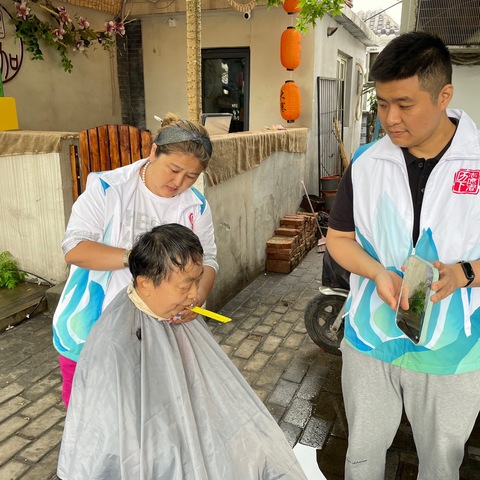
<point x="177" y="134"/>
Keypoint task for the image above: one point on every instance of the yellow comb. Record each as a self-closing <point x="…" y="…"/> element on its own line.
<point x="208" y="313"/>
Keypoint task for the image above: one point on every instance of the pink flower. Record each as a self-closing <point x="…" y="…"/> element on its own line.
<point x="79" y="46"/>
<point x="110" y="28"/>
<point x="120" y="28"/>
<point x="82" y="23"/>
<point x="22" y="9"/>
<point x="64" y="17"/>
<point x="58" y="32"/>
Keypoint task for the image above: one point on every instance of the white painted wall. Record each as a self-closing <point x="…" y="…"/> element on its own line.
<point x="246" y="210"/>
<point x="48" y="98"/>
<point x="165" y="64"/>
<point x="465" y="96"/>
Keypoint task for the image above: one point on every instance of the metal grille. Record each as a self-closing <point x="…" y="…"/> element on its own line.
<point x="330" y="105"/>
<point x="456" y="22"/>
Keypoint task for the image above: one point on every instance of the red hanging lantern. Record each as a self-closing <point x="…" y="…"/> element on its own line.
<point x="290" y="46"/>
<point x="291" y="6"/>
<point x="290" y="101"/>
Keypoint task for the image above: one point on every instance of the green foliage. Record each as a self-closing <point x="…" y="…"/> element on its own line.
<point x="38" y="23"/>
<point x="417" y="300"/>
<point x="311" y="11"/>
<point x="10" y="275"/>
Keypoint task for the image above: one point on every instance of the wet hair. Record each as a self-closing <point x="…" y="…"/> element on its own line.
<point x="164" y="249"/>
<point x="415" y="53"/>
<point x="198" y="144"/>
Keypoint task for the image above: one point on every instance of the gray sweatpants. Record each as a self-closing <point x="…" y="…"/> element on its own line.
<point x="442" y="410"/>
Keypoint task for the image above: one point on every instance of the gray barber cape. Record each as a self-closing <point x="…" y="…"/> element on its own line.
<point x="157" y="401"/>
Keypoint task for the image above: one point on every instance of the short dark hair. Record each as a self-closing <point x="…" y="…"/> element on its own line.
<point x="157" y="253"/>
<point x="415" y="53"/>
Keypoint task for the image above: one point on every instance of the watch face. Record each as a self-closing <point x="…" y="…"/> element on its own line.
<point x="468" y="270"/>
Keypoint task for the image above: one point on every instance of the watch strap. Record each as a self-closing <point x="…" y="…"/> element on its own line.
<point x="468" y="271"/>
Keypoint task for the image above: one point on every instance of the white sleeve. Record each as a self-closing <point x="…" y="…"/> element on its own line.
<point x="203" y="228"/>
<point x="87" y="220"/>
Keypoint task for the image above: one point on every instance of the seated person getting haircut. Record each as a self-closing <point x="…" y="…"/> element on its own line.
<point x="157" y="400"/>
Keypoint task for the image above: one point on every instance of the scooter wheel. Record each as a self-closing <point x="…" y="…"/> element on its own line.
<point x="320" y="314"/>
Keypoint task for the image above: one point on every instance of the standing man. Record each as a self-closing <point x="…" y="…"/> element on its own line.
<point x="417" y="190"/>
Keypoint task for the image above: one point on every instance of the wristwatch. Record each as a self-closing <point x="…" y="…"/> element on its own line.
<point x="468" y="271"/>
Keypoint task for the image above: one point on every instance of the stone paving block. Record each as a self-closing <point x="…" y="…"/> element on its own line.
<point x="41" y="405"/>
<point x="298" y="413"/>
<point x="262" y="393"/>
<point x="310" y="387"/>
<point x="272" y="299"/>
<point x="250" y="323"/>
<point x="295" y="371"/>
<point x="37" y="449"/>
<point x="246" y="349"/>
<point x="271" y="319"/>
<point x="292" y="296"/>
<point x="276" y="411"/>
<point x="280" y="308"/>
<point x="271" y="344"/>
<point x="302" y="302"/>
<point x="46" y="469"/>
<point x="13" y="470"/>
<point x="236" y="337"/>
<point x="43" y="423"/>
<point x="257" y="362"/>
<point x="240" y="314"/>
<point x="268" y="377"/>
<point x="12" y="426"/>
<point x="284" y="393"/>
<point x="253" y="302"/>
<point x="238" y="362"/>
<point x="44" y="386"/>
<point x="36" y="374"/>
<point x="282" y="329"/>
<point x="316" y="432"/>
<point x="11" y="407"/>
<point x="294" y="340"/>
<point x="10" y="391"/>
<point x="292" y="316"/>
<point x="262" y="329"/>
<point x="261" y="310"/>
<point x="10" y="447"/>
<point x="250" y="376"/>
<point x="282" y="358"/>
<point x="227" y="349"/>
<point x="292" y="432"/>
<point x="281" y="290"/>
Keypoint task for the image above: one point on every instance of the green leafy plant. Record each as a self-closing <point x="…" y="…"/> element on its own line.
<point x="312" y="10"/>
<point x="55" y="28"/>
<point x="10" y="275"/>
<point x="417" y="300"/>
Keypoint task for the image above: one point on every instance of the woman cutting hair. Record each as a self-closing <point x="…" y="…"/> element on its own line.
<point x="116" y="207"/>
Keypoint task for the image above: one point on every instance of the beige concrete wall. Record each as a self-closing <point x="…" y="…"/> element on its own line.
<point x="36" y="201"/>
<point x="48" y="98"/>
<point x="164" y="50"/>
<point x="246" y="210"/>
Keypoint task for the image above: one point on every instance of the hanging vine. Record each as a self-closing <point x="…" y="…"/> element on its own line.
<point x="60" y="31"/>
<point x="312" y="10"/>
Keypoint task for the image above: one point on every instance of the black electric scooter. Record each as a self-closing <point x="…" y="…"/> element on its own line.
<point x="324" y="313"/>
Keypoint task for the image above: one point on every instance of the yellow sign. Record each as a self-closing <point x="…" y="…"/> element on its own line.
<point x="8" y="114"/>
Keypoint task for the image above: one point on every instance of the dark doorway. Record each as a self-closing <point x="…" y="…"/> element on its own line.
<point x="225" y="84"/>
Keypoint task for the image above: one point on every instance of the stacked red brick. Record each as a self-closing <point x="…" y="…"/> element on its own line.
<point x="295" y="237"/>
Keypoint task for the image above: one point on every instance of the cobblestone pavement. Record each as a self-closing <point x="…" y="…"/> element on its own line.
<point x="267" y="341"/>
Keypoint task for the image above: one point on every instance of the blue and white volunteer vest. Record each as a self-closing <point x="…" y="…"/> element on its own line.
<point x="449" y="232"/>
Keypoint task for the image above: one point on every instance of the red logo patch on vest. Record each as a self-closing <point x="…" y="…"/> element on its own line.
<point x="466" y="181"/>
